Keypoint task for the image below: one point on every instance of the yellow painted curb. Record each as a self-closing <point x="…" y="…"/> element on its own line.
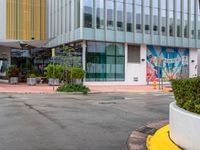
<point x="161" y="141"/>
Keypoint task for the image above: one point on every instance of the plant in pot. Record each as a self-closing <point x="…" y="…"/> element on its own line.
<point x="77" y="74"/>
<point x="32" y="80"/>
<point x="53" y="73"/>
<point x="13" y="74"/>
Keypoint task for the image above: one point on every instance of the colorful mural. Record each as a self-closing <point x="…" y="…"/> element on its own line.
<point x="167" y="63"/>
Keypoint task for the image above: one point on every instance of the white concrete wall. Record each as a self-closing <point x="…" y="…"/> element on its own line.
<point x="137" y="70"/>
<point x="2" y="19"/>
<point x="184" y="128"/>
<point x="193" y="63"/>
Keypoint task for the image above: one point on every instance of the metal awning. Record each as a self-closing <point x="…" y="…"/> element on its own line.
<point x="20" y="43"/>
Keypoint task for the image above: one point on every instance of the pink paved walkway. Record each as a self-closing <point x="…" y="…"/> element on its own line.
<point x="24" y="88"/>
<point x="44" y="88"/>
<point x="123" y="88"/>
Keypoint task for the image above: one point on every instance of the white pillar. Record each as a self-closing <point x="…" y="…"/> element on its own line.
<point x="126" y="62"/>
<point x="84" y="56"/>
<point x="193" y="63"/>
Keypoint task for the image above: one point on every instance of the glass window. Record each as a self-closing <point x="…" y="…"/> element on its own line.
<point x="88" y="13"/>
<point x="100" y="14"/>
<point x="120" y="15"/>
<point x="106" y="62"/>
<point x="77" y="13"/>
<point x="178" y="18"/>
<point x="185" y="25"/>
<point x="199" y="26"/>
<point x="110" y="14"/>
<point x="147" y="17"/>
<point x="138" y="12"/>
<point x="163" y="17"/>
<point x="192" y="32"/>
<point x="129" y="12"/>
<point x="155" y="16"/>
<point x="171" y="18"/>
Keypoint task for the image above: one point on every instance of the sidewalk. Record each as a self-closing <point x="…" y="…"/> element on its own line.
<point x="128" y="88"/>
<point x="44" y="88"/>
<point x="24" y="88"/>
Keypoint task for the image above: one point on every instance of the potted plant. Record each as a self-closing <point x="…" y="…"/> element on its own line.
<point x="13" y="74"/>
<point x="53" y="73"/>
<point x="32" y="80"/>
<point x="77" y="74"/>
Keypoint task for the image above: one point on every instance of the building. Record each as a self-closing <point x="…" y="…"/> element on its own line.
<point x="129" y="41"/>
<point x="125" y="42"/>
<point x="21" y="20"/>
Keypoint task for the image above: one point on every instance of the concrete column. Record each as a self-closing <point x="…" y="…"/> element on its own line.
<point x="84" y="46"/>
<point x="193" y="63"/>
<point x="126" y="61"/>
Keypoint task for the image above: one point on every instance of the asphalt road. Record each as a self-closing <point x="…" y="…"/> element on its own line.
<point x="76" y="122"/>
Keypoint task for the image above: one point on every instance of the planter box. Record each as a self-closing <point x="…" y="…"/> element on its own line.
<point x="32" y="81"/>
<point x="54" y="82"/>
<point x="184" y="128"/>
<point x="14" y="80"/>
<point x="77" y="81"/>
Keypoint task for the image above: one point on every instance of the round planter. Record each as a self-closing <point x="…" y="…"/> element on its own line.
<point x="31" y="81"/>
<point x="184" y="128"/>
<point x="14" y="80"/>
<point x="52" y="81"/>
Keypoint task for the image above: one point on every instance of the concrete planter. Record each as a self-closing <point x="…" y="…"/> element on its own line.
<point x="184" y="128"/>
<point x="31" y="81"/>
<point x="52" y="81"/>
<point x="14" y="80"/>
<point x="77" y="81"/>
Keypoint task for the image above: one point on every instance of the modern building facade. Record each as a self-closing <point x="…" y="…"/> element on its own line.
<point x="21" y="20"/>
<point x="117" y="41"/>
<point x="129" y="41"/>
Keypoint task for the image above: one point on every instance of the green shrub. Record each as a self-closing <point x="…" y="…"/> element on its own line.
<point x="32" y="76"/>
<point x="12" y="71"/>
<point x="187" y="93"/>
<point x="73" y="88"/>
<point x="58" y="71"/>
<point x="77" y="72"/>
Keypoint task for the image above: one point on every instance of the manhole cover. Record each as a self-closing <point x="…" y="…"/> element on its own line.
<point x="107" y="103"/>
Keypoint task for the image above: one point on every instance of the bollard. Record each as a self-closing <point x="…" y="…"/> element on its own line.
<point x="154" y="85"/>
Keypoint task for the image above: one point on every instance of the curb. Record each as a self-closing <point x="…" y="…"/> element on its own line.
<point x="137" y="140"/>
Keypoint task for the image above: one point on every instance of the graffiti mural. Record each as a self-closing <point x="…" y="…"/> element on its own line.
<point x="167" y="63"/>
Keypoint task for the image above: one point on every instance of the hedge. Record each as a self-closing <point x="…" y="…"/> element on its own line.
<point x="187" y="93"/>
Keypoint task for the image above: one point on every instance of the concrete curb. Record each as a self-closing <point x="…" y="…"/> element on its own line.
<point x="137" y="139"/>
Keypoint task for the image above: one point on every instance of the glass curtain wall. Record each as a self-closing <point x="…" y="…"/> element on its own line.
<point x="105" y="61"/>
<point x="110" y="14"/>
<point x="192" y="31"/>
<point x="155" y="17"/>
<point x="185" y="18"/>
<point x="147" y="16"/>
<point x="171" y="17"/>
<point x="163" y="17"/>
<point x="138" y="13"/>
<point x="198" y="4"/>
<point x="100" y="14"/>
<point x="77" y="13"/>
<point x="120" y="15"/>
<point x="88" y="13"/>
<point x="178" y="18"/>
<point x="129" y="15"/>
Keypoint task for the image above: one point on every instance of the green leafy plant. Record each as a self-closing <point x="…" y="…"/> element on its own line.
<point x="32" y="76"/>
<point x="73" y="88"/>
<point x="54" y="71"/>
<point x="187" y="93"/>
<point x="77" y="73"/>
<point x="12" y="71"/>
